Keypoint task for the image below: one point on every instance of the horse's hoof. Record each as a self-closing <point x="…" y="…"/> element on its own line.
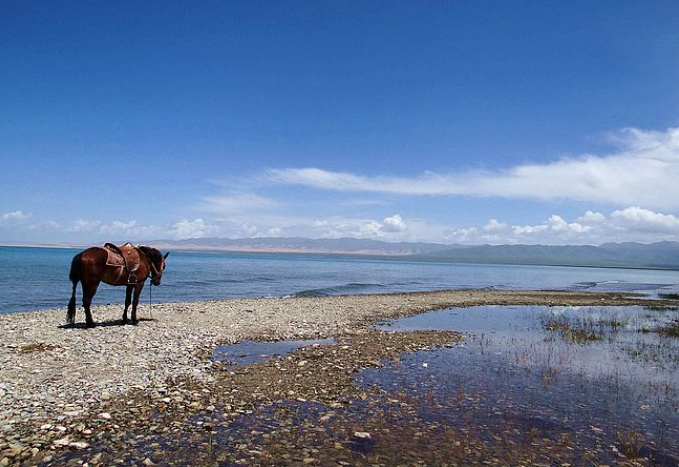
<point x="134" y="322"/>
<point x="90" y="325"/>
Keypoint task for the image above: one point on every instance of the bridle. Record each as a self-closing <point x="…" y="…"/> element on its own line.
<point x="155" y="273"/>
<point x="154" y="268"/>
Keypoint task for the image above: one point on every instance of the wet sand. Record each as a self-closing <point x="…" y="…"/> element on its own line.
<point x="70" y="389"/>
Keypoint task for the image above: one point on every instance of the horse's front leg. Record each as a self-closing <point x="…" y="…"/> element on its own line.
<point x="135" y="301"/>
<point x="128" y="300"/>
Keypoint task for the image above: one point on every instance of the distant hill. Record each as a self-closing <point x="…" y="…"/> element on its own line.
<point x="661" y="255"/>
<point x="304" y="245"/>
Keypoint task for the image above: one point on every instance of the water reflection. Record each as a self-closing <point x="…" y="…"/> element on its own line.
<point x="519" y="367"/>
<point x="249" y="352"/>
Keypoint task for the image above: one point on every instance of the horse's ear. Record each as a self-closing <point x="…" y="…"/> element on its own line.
<point x="166" y="255"/>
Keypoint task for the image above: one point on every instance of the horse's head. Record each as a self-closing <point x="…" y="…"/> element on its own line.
<point x="156" y="263"/>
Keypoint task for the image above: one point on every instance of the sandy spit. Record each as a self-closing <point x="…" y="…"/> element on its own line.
<point x="49" y="372"/>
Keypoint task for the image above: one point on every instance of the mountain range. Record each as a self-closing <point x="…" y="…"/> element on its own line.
<point x="661" y="255"/>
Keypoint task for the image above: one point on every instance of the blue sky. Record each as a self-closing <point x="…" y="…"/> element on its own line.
<point x="457" y="122"/>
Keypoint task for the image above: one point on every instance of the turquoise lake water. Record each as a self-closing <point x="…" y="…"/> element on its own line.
<point x="37" y="278"/>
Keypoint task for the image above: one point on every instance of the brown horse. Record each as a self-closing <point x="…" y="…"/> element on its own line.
<point x="91" y="267"/>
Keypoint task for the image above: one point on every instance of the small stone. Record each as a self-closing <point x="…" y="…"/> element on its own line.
<point x="148" y="461"/>
<point x="362" y="434"/>
<point x="105" y="415"/>
<point x="12" y="451"/>
<point x="79" y="445"/>
<point x="62" y="442"/>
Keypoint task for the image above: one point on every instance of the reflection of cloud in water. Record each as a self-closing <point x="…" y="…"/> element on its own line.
<point x="518" y="334"/>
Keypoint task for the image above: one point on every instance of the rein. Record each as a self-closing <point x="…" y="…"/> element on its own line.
<point x="150" y="305"/>
<point x="155" y="270"/>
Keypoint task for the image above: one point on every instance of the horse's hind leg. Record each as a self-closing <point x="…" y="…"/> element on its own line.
<point x="135" y="301"/>
<point x="88" y="293"/>
<point x="128" y="300"/>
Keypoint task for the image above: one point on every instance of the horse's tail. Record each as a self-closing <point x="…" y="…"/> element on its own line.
<point x="75" y="275"/>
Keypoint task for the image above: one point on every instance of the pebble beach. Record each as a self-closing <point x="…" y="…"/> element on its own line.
<point x="62" y="387"/>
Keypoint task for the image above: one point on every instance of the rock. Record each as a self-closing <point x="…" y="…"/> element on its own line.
<point x="362" y="434"/>
<point x="148" y="461"/>
<point x="60" y="443"/>
<point x="105" y="416"/>
<point x="12" y="451"/>
<point x="79" y="445"/>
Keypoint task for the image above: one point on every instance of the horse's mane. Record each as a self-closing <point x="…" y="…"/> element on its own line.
<point x="155" y="256"/>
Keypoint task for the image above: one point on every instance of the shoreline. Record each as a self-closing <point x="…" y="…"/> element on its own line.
<point x="54" y="376"/>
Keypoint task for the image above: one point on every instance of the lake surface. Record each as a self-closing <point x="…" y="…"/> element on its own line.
<point x="37" y="278"/>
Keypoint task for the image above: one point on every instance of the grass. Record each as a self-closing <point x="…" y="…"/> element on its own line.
<point x="662" y="308"/>
<point x="670" y="331"/>
<point x="669" y="296"/>
<point x="581" y="336"/>
<point x="629" y="442"/>
<point x="577" y="333"/>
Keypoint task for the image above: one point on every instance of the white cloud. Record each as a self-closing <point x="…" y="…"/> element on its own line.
<point x="591" y="218"/>
<point x="629" y="224"/>
<point x="235" y="204"/>
<point x="83" y="225"/>
<point x="391" y="228"/>
<point x="494" y="226"/>
<point x="642" y="171"/>
<point x="393" y="224"/>
<point x="13" y="216"/>
<point x="644" y="220"/>
<point x="130" y="230"/>
<point x="197" y="228"/>
<point x="274" y="232"/>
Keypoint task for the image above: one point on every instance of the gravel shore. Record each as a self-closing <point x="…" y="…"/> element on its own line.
<point x="51" y="374"/>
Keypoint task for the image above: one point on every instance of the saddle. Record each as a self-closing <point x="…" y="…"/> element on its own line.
<point x="126" y="256"/>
